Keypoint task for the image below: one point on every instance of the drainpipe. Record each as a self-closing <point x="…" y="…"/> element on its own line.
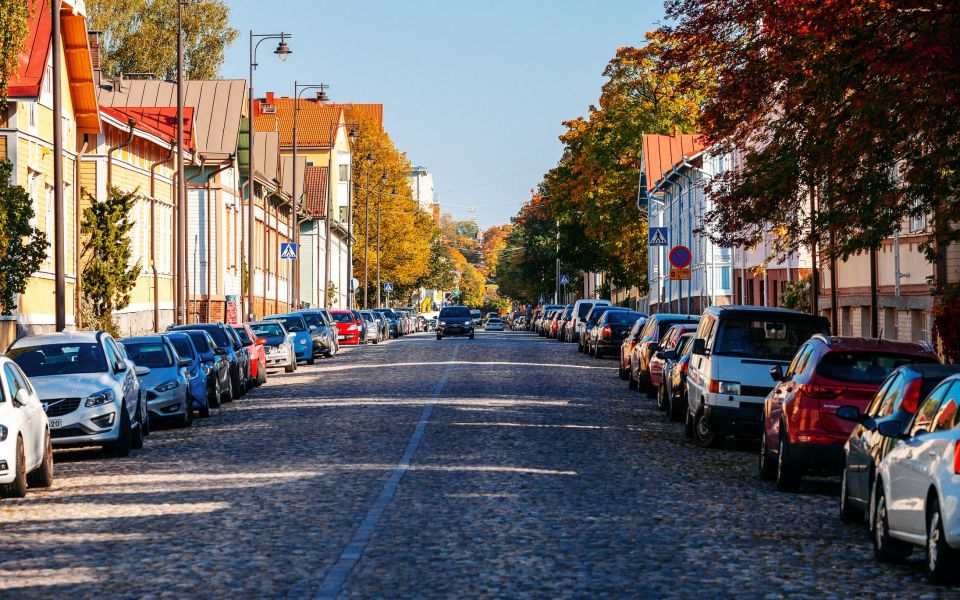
<point x="153" y="239"/>
<point x="896" y="262"/>
<point x="674" y="171"/>
<point x="133" y="126"/>
<point x="194" y="162"/>
<point x="227" y="165"/>
<point x="77" y="320"/>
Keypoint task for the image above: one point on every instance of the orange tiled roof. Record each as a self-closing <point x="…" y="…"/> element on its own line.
<point x="316" y="123"/>
<point x="354" y="112"/>
<point x="160" y="121"/>
<point x="315" y="189"/>
<point x="661" y="152"/>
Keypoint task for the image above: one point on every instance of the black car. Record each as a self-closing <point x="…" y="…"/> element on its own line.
<point x="232" y="348"/>
<point x="897" y="399"/>
<point x="672" y="393"/>
<point x="590" y="321"/>
<point x="610" y="331"/>
<point x="393" y="320"/>
<point x="323" y="331"/>
<point x="455" y="320"/>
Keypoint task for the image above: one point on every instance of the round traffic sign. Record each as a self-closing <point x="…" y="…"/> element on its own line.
<point x="680" y="257"/>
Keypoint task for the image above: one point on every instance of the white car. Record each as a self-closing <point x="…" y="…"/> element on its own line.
<point x="26" y="454"/>
<point x="916" y="500"/>
<point x="90" y="393"/>
<point x="493" y="324"/>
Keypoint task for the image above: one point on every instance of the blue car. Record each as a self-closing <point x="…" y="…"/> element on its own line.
<point x="231" y="349"/>
<point x="302" y="340"/>
<point x="195" y="373"/>
<point x="214" y="361"/>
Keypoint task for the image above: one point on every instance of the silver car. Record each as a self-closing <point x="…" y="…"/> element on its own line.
<point x="372" y="329"/>
<point x="278" y="344"/>
<point x="166" y="383"/>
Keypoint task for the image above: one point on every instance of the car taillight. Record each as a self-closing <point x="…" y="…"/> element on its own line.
<point x="911" y="396"/>
<point x="956" y="457"/>
<point x="606" y="331"/>
<point x="713" y="386"/>
<point x="683" y="367"/>
<point x="820" y="392"/>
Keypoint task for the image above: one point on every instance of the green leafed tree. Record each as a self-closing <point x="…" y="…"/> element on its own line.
<point x="108" y="275"/>
<point x="140" y="36"/>
<point x="22" y="246"/>
<point x="14" y="20"/>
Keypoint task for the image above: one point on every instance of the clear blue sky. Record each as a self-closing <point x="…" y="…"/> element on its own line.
<point x="475" y="92"/>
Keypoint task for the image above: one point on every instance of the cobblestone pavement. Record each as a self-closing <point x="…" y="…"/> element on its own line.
<point x="507" y="466"/>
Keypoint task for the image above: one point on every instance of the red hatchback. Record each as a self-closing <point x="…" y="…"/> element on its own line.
<point x="801" y="431"/>
<point x="348" y="327"/>
<point x="258" y="356"/>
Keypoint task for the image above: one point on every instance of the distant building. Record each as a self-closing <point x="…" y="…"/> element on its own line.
<point x="421" y="184"/>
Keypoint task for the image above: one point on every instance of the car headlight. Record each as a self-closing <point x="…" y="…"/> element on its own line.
<point x="100" y="398"/>
<point x="283" y="347"/>
<point x="167" y="386"/>
<point x="3" y="433"/>
<point x="443" y="322"/>
<point x="729" y="387"/>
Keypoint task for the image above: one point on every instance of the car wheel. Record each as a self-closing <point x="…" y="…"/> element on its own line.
<point x="187" y="419"/>
<point x="662" y="401"/>
<point x="598" y="352"/>
<point x="676" y="405"/>
<point x="766" y="468"/>
<point x="261" y="374"/>
<point x="121" y="446"/>
<point x="622" y="372"/>
<point x="703" y="435"/>
<point x="214" y="400"/>
<point x="137" y="437"/>
<point x="942" y="560"/>
<point x="290" y="368"/>
<point x="471" y="335"/>
<point x="631" y="382"/>
<point x="228" y="394"/>
<point x="145" y="421"/>
<point x="439" y="337"/>
<point x="787" y="478"/>
<point x="688" y="425"/>
<point x="885" y="548"/>
<point x="42" y="477"/>
<point x="848" y="512"/>
<point x="311" y="361"/>
<point x="18" y="487"/>
<point x="204" y="411"/>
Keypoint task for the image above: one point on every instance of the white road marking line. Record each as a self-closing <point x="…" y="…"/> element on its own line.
<point x="337" y="575"/>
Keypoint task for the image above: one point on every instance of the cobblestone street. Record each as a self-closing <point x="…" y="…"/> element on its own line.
<point x="506" y="466"/>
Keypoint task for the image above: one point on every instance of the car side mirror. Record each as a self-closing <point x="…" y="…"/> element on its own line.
<point x="313" y="327"/>
<point x="186" y="362"/>
<point x="247" y="343"/>
<point x="699" y="346"/>
<point x="142" y="371"/>
<point x="891" y="429"/>
<point x="850" y="413"/>
<point x="776" y="373"/>
<point x="220" y="351"/>
<point x="119" y="366"/>
<point x="21" y="398"/>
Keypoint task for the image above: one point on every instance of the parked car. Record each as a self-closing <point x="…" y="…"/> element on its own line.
<point x="305" y="346"/>
<point x="897" y="399"/>
<point x="255" y="353"/>
<point x="384" y="324"/>
<point x="215" y="364"/>
<point x="278" y="344"/>
<point x="361" y="325"/>
<point x="520" y="323"/>
<point x="590" y="321"/>
<point x="626" y="347"/>
<point x="348" y="328"/>
<point x="455" y="320"/>
<point x="245" y="356"/>
<point x="801" y="431"/>
<point x="322" y="330"/>
<point x="231" y="351"/>
<point x="26" y="448"/>
<point x="581" y="308"/>
<point x="494" y="324"/>
<point x="393" y="320"/>
<point x="562" y="323"/>
<point x="104" y="407"/>
<point x="918" y="483"/>
<point x="669" y="341"/>
<point x="610" y="331"/>
<point x="648" y="344"/>
<point x="729" y="378"/>
<point x="198" y="379"/>
<point x="166" y="384"/>
<point x="372" y="329"/>
<point x="674" y="385"/>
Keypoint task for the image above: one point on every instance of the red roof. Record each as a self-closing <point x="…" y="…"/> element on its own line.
<point x="315" y="190"/>
<point x="367" y="111"/>
<point x="317" y="123"/>
<point x="33" y="59"/>
<point x="160" y="121"/>
<point x="661" y="152"/>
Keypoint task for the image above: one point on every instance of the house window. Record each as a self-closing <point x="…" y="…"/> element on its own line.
<point x="344" y="173"/>
<point x="724" y="278"/>
<point x="918" y="222"/>
<point x="48" y="225"/>
<point x="48" y="80"/>
<point x="32" y="114"/>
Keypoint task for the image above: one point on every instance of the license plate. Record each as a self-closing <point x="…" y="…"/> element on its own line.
<point x="55" y="424"/>
<point x="343" y="337"/>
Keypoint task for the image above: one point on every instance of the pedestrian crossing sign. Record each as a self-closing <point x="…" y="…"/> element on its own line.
<point x="564" y="280"/>
<point x="288" y="250"/>
<point x="388" y="287"/>
<point x="657" y="236"/>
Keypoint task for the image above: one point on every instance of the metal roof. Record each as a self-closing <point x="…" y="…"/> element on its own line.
<point x="661" y="152"/>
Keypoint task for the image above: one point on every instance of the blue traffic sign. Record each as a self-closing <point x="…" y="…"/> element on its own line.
<point x="657" y="236"/>
<point x="388" y="287"/>
<point x="564" y="280"/>
<point x="288" y="250"/>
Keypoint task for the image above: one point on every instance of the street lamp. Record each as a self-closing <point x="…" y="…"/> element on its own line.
<point x="321" y="96"/>
<point x="366" y="235"/>
<point x="282" y="52"/>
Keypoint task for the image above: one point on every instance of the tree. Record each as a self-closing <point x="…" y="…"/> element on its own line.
<point x="494" y="241"/>
<point x="140" y="36"/>
<point x="14" y="28"/>
<point x="441" y="274"/>
<point x="108" y="275"/>
<point x="23" y="247"/>
<point x="797" y="296"/>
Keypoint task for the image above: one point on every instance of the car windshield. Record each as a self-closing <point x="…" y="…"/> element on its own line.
<point x="454" y="311"/>
<point x="59" y="359"/>
<point x="267" y="329"/>
<point x="775" y="339"/>
<point x="219" y="336"/>
<point x="292" y="323"/>
<point x="367" y="316"/>
<point x="663" y="326"/>
<point x="342" y="317"/>
<point x="622" y="317"/>
<point x="596" y="314"/>
<point x="493" y="320"/>
<point x="153" y="355"/>
<point x="312" y="320"/>
<point x="864" y="367"/>
<point x="199" y="341"/>
<point x="388" y="313"/>
<point x="244" y="336"/>
<point x="584" y="309"/>
<point x="183" y="346"/>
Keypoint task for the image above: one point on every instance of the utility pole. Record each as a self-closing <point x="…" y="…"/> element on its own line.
<point x="60" y="296"/>
<point x="556" y="289"/>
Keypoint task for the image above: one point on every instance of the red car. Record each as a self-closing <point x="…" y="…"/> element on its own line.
<point x="801" y="431"/>
<point x="258" y="357"/>
<point x="626" y="348"/>
<point x="669" y="342"/>
<point x="348" y="327"/>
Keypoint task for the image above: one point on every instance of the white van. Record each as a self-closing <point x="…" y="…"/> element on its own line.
<point x="729" y="372"/>
<point x="580" y="309"/>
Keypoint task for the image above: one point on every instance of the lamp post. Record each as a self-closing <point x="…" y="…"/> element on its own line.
<point x="282" y="51"/>
<point x="393" y="192"/>
<point x="322" y="97"/>
<point x="366" y="235"/>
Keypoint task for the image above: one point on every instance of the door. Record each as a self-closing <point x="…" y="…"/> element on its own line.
<point x="30" y="414"/>
<point x="863" y="443"/>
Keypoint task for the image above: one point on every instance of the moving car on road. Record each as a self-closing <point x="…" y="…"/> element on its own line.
<point x="278" y="344"/>
<point x="493" y="324"/>
<point x="104" y="406"/>
<point x="455" y="320"/>
<point x="166" y="383"/>
<point x="26" y="450"/>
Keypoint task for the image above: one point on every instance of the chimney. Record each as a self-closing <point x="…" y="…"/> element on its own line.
<point x="93" y="38"/>
<point x="269" y="99"/>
